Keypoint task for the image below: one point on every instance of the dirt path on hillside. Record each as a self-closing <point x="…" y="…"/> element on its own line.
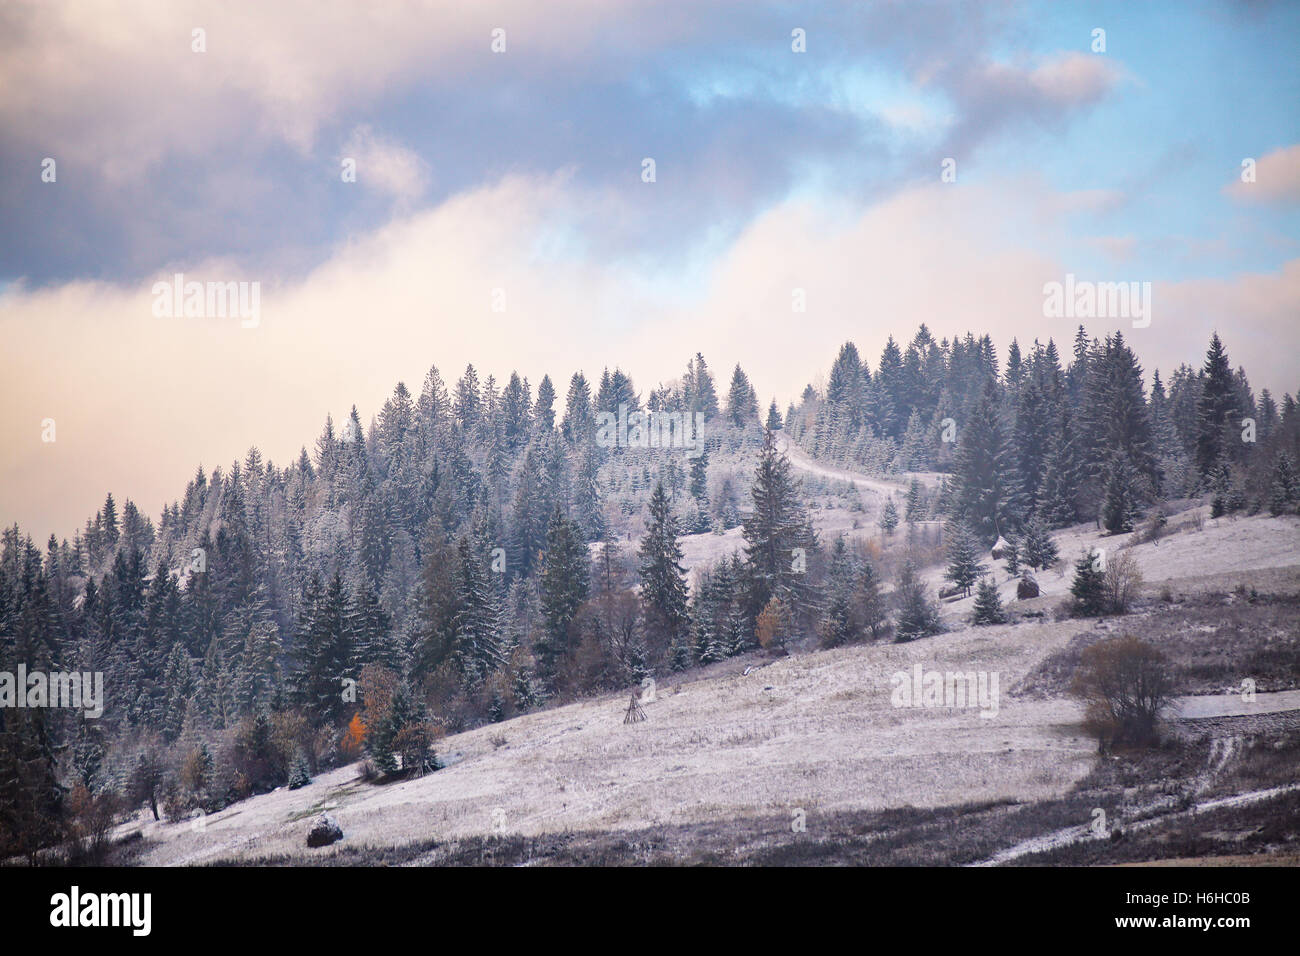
<point x="802" y="461"/>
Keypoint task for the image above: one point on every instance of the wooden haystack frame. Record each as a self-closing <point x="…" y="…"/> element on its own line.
<point x="634" y="714"/>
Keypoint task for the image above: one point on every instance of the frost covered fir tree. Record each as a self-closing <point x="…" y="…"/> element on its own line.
<point x="1284" y="487"/>
<point x="988" y="606"/>
<point x="839" y="624"/>
<point x="1011" y="556"/>
<point x="1217" y="411"/>
<point x="299" y="772"/>
<point x="1089" y="585"/>
<point x="869" y="602"/>
<point x="889" y="517"/>
<point x="986" y="493"/>
<point x="565" y="586"/>
<point x="964" y="567"/>
<point x="916" y="616"/>
<point x="915" y="504"/>
<point x="663" y="583"/>
<point x="773" y="417"/>
<point x="779" y="538"/>
<point x="1120" y="505"/>
<point x="1036" y="547"/>
<point x="699" y="489"/>
<point x="742" y="400"/>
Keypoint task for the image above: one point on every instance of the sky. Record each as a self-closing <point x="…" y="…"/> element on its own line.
<point x="501" y="212"/>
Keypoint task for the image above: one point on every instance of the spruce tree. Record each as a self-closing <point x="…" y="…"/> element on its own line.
<point x="773" y="417"/>
<point x="915" y="506"/>
<point x="869" y="602"/>
<point x="988" y="606"/>
<point x="1089" y="586"/>
<point x="779" y="539"/>
<point x="1284" y="486"/>
<point x="964" y="567"/>
<point x="839" y="622"/>
<point x="1119" y="506"/>
<point x="986" y="493"/>
<point x="1216" y="410"/>
<point x="663" y="584"/>
<point x="742" y="401"/>
<point x="1037" y="549"/>
<point x="916" y="616"/>
<point x="889" y="517"/>
<point x="565" y="585"/>
<point x="299" y="771"/>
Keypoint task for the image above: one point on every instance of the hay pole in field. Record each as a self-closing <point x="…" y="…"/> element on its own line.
<point x="634" y="714"/>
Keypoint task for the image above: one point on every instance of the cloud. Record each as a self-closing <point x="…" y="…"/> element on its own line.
<point x="384" y="165"/>
<point x="993" y="95"/>
<point x="1277" y="179"/>
<point x="125" y="88"/>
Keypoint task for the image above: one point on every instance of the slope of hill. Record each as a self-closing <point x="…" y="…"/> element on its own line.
<point x="815" y="734"/>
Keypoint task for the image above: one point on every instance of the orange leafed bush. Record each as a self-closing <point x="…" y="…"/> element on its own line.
<point x="350" y="745"/>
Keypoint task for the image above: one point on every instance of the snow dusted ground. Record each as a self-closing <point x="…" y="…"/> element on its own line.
<point x="816" y="731"/>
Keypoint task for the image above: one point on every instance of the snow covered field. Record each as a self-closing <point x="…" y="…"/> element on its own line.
<point x="815" y="732"/>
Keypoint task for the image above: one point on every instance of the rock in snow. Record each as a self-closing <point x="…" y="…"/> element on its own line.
<point x="324" y="831"/>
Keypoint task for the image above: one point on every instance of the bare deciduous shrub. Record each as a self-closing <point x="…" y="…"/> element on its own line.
<point x="1125" y="683"/>
<point x="1123" y="581"/>
<point x="90" y="819"/>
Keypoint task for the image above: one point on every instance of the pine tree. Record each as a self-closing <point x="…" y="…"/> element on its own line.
<point x="915" y="505"/>
<point x="299" y="771"/>
<point x="889" y="517"/>
<point x="324" y="649"/>
<point x="1089" y="585"/>
<point x="986" y="495"/>
<point x="543" y="412"/>
<point x="916" y="616"/>
<point x="1057" y="491"/>
<point x="1216" y="410"/>
<point x="663" y="585"/>
<point x="1284" y="487"/>
<point x="839" y="625"/>
<point x="773" y="417"/>
<point x="742" y="401"/>
<point x="702" y="396"/>
<point x="964" y="567"/>
<point x="988" y="606"/>
<point x="476" y="645"/>
<point x="1013" y="554"/>
<point x="565" y="584"/>
<point x="1037" y="549"/>
<point x="870" y="603"/>
<point x="1119" y="507"/>
<point x="779" y="538"/>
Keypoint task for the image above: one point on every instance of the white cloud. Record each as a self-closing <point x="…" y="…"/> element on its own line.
<point x="1277" y="179"/>
<point x="386" y="166"/>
